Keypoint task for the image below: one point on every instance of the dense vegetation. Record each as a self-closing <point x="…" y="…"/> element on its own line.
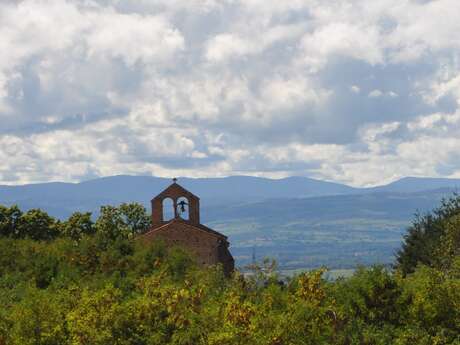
<point x="79" y="282"/>
<point x="433" y="239"/>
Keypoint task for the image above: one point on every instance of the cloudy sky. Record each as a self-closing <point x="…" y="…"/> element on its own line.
<point x="356" y="91"/>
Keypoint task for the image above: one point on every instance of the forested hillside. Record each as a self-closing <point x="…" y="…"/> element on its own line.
<point x="79" y="282"/>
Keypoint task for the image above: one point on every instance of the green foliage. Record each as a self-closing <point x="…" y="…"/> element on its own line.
<point x="372" y="295"/>
<point x="110" y="224"/>
<point x="127" y="292"/>
<point x="38" y="225"/>
<point x="78" y="225"/>
<point x="9" y="220"/>
<point x="95" y="319"/>
<point x="427" y="235"/>
<point x="125" y="221"/>
<point x="37" y="318"/>
<point x="135" y="217"/>
<point x="95" y="284"/>
<point x="433" y="299"/>
<point x="449" y="243"/>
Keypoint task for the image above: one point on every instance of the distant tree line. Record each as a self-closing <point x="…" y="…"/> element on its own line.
<point x="127" y="220"/>
<point x="79" y="283"/>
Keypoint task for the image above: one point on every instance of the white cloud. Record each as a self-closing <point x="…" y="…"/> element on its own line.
<point x="341" y="39"/>
<point x="133" y="38"/>
<point x="379" y="93"/>
<point x="424" y="29"/>
<point x="283" y="94"/>
<point x="225" y="46"/>
<point x="229" y="46"/>
<point x="213" y="88"/>
<point x="355" y="89"/>
<point x="375" y="94"/>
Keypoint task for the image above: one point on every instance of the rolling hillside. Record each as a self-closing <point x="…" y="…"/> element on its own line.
<point x="339" y="231"/>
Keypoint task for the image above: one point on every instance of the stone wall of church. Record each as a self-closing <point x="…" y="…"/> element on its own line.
<point x="206" y="248"/>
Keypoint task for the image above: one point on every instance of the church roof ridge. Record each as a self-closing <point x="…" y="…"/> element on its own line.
<point x="178" y="220"/>
<point x="175" y="186"/>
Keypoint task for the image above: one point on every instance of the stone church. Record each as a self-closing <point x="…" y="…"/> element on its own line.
<point x="183" y="227"/>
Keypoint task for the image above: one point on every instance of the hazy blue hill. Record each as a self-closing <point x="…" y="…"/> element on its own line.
<point x="392" y="205"/>
<point x="60" y="199"/>
<point x="417" y="184"/>
<point x="262" y="188"/>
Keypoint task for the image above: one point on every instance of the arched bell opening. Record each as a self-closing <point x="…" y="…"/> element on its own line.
<point x="183" y="210"/>
<point x="168" y="209"/>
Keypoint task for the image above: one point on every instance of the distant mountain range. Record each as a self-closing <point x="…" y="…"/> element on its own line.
<point x="61" y="199"/>
<point x="418" y="184"/>
<point x="300" y="221"/>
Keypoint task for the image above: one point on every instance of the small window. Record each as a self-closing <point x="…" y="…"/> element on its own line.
<point x="168" y="209"/>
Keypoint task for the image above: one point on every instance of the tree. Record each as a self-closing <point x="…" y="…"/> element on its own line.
<point x="37" y="225"/>
<point x="371" y="294"/>
<point x="9" y="218"/>
<point x="110" y="224"/>
<point x="77" y="225"/>
<point x="135" y="217"/>
<point x="448" y="249"/>
<point x="424" y="236"/>
<point x="125" y="221"/>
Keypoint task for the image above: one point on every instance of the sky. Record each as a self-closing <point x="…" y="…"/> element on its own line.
<point x="355" y="91"/>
